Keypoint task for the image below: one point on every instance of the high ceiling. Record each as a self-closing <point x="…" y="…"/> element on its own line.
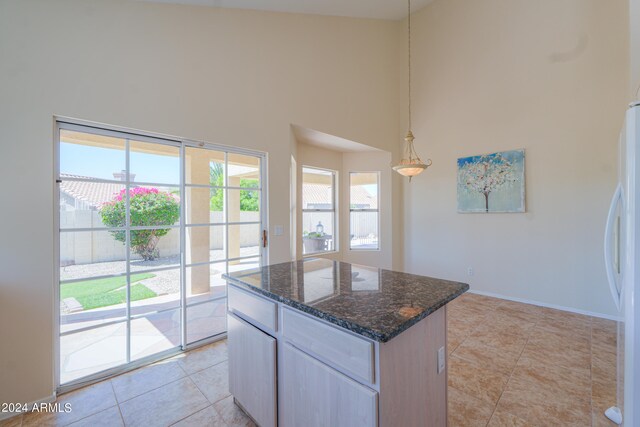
<point x="329" y="142"/>
<point x="378" y="9"/>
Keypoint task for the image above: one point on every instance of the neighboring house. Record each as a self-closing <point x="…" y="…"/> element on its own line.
<point x="316" y="196"/>
<point x="362" y="199"/>
<point x="85" y="195"/>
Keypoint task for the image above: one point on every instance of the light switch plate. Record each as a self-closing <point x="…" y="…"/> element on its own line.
<point x="278" y="230"/>
<point x="441" y="360"/>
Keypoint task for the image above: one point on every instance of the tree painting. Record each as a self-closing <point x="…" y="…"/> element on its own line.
<point x="491" y="182"/>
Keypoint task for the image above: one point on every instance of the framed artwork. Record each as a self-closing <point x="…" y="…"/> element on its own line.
<point x="491" y="182"/>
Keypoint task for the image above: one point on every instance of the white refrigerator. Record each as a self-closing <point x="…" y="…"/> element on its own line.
<point x="622" y="261"/>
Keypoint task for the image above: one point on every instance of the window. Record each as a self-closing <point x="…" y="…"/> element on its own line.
<point x="318" y="210"/>
<point x="364" y="210"/>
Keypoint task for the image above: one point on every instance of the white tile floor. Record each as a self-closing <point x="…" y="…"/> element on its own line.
<point x="190" y="389"/>
<point x="498" y="367"/>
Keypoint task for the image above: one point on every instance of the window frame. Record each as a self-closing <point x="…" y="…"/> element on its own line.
<point x="334" y="210"/>
<point x="65" y="123"/>
<point x="377" y="210"/>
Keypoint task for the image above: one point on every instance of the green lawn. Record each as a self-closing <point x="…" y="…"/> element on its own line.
<point x="102" y="292"/>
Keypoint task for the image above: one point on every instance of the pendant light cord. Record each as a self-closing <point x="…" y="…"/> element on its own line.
<point x="411" y="164"/>
<point x="409" y="54"/>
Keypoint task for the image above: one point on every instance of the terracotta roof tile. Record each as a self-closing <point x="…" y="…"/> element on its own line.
<point x="93" y="193"/>
<point x="318" y="194"/>
<point x="97" y="193"/>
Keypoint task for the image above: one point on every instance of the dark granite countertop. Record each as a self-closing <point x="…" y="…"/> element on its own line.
<point x="378" y="304"/>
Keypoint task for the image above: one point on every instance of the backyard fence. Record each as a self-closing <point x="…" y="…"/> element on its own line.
<point x="87" y="247"/>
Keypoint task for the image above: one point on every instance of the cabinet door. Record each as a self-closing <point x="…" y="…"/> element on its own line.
<point x="316" y="395"/>
<point x="252" y="370"/>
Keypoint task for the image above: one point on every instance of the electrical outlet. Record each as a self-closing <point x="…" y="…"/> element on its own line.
<point x="470" y="271"/>
<point x="441" y="360"/>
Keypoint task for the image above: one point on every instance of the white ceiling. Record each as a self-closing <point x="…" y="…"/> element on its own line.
<point x="378" y="9"/>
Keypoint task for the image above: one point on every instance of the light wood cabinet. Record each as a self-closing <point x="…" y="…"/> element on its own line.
<point x="338" y="348"/>
<point x="319" y="396"/>
<point x="252" y="370"/>
<point x="289" y="368"/>
<point x="253" y="307"/>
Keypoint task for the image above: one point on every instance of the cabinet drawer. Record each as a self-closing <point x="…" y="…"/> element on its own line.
<point x="318" y="396"/>
<point x="340" y="349"/>
<point x="252" y="307"/>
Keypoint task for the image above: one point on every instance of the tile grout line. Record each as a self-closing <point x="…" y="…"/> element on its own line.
<point x="492" y="310"/>
<point x="200" y="370"/>
<point x="210" y="403"/>
<point x="220" y="413"/>
<point x="205" y="398"/>
<point x="117" y="403"/>
<point x="210" y="366"/>
<point x="528" y="337"/>
<point x="196" y="384"/>
<point x="474" y="329"/>
<point x="199" y="410"/>
<point x="93" y="413"/>
<point x="540" y="316"/>
<point x="471" y="333"/>
<point x="186" y="375"/>
<point x="121" y="416"/>
<point x="201" y="392"/>
<point x="150" y="390"/>
<point x="464" y="339"/>
<point x="87" y="416"/>
<point x="505" y="386"/>
<point x="514" y="367"/>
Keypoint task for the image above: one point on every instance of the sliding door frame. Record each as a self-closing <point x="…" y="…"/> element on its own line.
<point x="60" y="123"/>
<point x="263" y="252"/>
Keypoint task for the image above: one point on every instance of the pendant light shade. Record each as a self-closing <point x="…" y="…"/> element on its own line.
<point x="411" y="164"/>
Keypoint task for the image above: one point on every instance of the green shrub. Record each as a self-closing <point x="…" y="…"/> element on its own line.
<point x="148" y="207"/>
<point x="249" y="200"/>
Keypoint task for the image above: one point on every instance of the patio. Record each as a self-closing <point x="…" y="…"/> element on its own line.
<point x="95" y="340"/>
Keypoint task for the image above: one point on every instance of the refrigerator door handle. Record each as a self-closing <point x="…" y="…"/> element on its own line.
<point x="608" y="261"/>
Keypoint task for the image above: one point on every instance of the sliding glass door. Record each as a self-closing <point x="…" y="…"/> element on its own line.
<point x="147" y="226"/>
<point x="223" y="226"/>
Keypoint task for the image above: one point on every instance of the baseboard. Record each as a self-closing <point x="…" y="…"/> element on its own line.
<point x="542" y="304"/>
<point x="49" y="399"/>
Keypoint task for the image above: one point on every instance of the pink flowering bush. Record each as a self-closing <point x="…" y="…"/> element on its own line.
<point x="138" y="191"/>
<point x="148" y="207"/>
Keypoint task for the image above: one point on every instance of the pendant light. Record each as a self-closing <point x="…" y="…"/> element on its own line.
<point x="411" y="164"/>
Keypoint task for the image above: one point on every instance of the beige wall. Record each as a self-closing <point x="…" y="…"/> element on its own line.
<point x="343" y="163"/>
<point x="225" y="76"/>
<point x="548" y="76"/>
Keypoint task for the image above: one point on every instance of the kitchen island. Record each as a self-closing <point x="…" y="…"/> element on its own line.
<point x="324" y="343"/>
